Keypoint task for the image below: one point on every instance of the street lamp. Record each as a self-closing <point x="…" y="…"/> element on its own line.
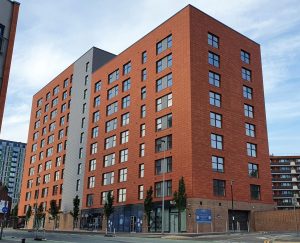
<point x="163" y="188"/>
<point x="231" y="188"/>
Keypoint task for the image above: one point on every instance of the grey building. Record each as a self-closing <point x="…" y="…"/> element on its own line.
<point x="286" y="181"/>
<point x="12" y="156"/>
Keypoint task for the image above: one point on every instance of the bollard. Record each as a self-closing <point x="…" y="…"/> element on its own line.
<point x="23" y="240"/>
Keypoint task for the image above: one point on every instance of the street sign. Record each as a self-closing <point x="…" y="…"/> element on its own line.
<point x="3" y="204"/>
<point x="4" y="209"/>
<point x="203" y="216"/>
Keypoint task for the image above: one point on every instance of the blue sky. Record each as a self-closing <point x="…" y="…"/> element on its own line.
<point x="52" y="34"/>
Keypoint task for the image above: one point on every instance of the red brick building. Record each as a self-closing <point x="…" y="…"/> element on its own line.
<point x="9" y="11"/>
<point x="190" y="94"/>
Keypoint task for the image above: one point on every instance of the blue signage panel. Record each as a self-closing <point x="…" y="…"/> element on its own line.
<point x="5" y="209"/>
<point x="203" y="216"/>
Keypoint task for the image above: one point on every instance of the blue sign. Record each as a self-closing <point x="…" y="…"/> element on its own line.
<point x="5" y="209"/>
<point x="203" y="216"/>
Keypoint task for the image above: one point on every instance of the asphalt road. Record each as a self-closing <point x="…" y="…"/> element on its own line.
<point x="57" y="237"/>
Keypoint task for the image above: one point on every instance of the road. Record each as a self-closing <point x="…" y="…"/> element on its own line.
<point x="58" y="237"/>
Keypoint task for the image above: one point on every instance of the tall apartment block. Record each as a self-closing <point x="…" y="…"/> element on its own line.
<point x="186" y="100"/>
<point x="8" y="22"/>
<point x="285" y="172"/>
<point x="12" y="156"/>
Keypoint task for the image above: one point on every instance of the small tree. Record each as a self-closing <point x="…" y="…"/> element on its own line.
<point x="75" y="212"/>
<point x="108" y="206"/>
<point x="28" y="214"/>
<point x="53" y="211"/>
<point x="148" y="206"/>
<point x="180" y="200"/>
<point x="40" y="215"/>
<point x="14" y="215"/>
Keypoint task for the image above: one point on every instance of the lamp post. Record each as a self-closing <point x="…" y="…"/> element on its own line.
<point x="163" y="189"/>
<point x="231" y="188"/>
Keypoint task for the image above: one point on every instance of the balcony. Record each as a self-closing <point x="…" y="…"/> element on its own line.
<point x="282" y="179"/>
<point x="279" y="196"/>
<point x="279" y="171"/>
<point x="282" y="188"/>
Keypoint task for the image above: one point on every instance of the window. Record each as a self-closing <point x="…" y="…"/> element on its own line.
<point x="91" y="182"/>
<point x="56" y="176"/>
<point x="87" y="66"/>
<point x="124" y="155"/>
<point x="111" y="125"/>
<point x="89" y="200"/>
<point x="38" y="113"/>
<point x="143" y="93"/>
<point x="164" y="82"/>
<point x="63" y="108"/>
<point x="253" y="170"/>
<point x="37" y="124"/>
<point x="86" y="79"/>
<point x="163" y="63"/>
<point x="54" y="102"/>
<point x="46" y="107"/>
<point x="141" y="192"/>
<point x="164" y="102"/>
<point x="141" y="170"/>
<point x="125" y="119"/>
<point x="109" y="159"/>
<point x="48" y="165"/>
<point x="246" y="74"/>
<point x="213" y="59"/>
<point x="84" y="106"/>
<point x="96" y="116"/>
<point x="217" y="164"/>
<point x="111" y="93"/>
<point x="122" y="195"/>
<point x="110" y="142"/>
<point x="251" y="149"/>
<point x="248" y="111"/>
<point x="45" y="119"/>
<point x="245" y="57"/>
<point x="142" y="150"/>
<point x="55" y="90"/>
<point x="126" y="85"/>
<point x="39" y="102"/>
<point x="125" y="101"/>
<point x="163" y="165"/>
<point x="80" y="153"/>
<point x="97" y="86"/>
<point x="213" y="40"/>
<point x="49" y="152"/>
<point x="163" y="144"/>
<point x="247" y="92"/>
<point x="104" y="197"/>
<point x="142" y="130"/>
<point x="164" y="44"/>
<point x="65" y="95"/>
<point x="113" y="76"/>
<point x="164" y="122"/>
<point x="77" y="185"/>
<point x="53" y="114"/>
<point x="124" y="137"/>
<point x="250" y="129"/>
<point x="159" y="188"/>
<point x="216" y="141"/>
<point x="94" y="148"/>
<point x="66" y="83"/>
<point x="79" y="169"/>
<point x="92" y="165"/>
<point x="214" y="78"/>
<point x="255" y="192"/>
<point x="108" y="178"/>
<point x="144" y="57"/>
<point x="219" y="187"/>
<point x="112" y="108"/>
<point x="126" y="68"/>
<point x="58" y="161"/>
<point x="97" y="101"/>
<point x="143" y="111"/>
<point x="48" y="95"/>
<point x="215" y="120"/>
<point x="62" y="121"/>
<point x="95" y="132"/>
<point x="46" y="178"/>
<point x="214" y="99"/>
<point x="144" y="74"/>
<point x="123" y="175"/>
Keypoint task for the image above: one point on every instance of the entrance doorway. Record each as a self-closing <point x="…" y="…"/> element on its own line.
<point x="132" y="224"/>
<point x="173" y="222"/>
<point x="238" y="220"/>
